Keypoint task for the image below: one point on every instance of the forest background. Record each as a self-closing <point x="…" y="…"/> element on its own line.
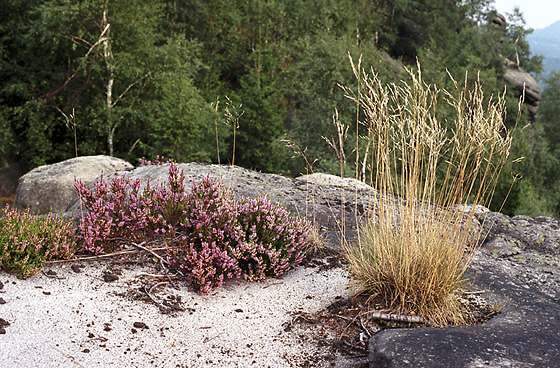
<point x="144" y="78"/>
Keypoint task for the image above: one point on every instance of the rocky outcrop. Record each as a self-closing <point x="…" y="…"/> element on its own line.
<point x="517" y="267"/>
<point x="327" y="179"/>
<point x="525" y="84"/>
<point x="51" y="187"/>
<point x="499" y="20"/>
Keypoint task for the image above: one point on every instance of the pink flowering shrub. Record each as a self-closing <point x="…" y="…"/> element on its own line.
<point x="223" y="238"/>
<point x="115" y="214"/>
<point x="159" y="160"/>
<point x="208" y="238"/>
<point x="167" y="204"/>
<point x="208" y="233"/>
<point x="27" y="242"/>
<point x="273" y="238"/>
<point x="118" y="212"/>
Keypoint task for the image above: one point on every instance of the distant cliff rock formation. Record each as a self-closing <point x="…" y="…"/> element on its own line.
<point x="524" y="83"/>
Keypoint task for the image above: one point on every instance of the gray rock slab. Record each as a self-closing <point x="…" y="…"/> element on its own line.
<point x="514" y="272"/>
<point x="51" y="187"/>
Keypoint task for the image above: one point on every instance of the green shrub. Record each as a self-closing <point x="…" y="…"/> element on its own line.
<point x="27" y="242"/>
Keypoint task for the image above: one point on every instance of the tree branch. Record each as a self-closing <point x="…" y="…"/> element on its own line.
<point x="130" y="86"/>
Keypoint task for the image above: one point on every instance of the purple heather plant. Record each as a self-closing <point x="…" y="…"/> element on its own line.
<point x="223" y="238"/>
<point x="274" y="239"/>
<point x="27" y="242"/>
<point x="115" y="214"/>
<point x="119" y="212"/>
<point x="208" y="233"/>
<point x="159" y="160"/>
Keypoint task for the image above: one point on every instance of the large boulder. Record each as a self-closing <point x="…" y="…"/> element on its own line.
<point x="518" y="267"/>
<point x="51" y="187"/>
<point x="328" y="179"/>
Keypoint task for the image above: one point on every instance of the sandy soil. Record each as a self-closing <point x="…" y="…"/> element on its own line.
<point x="70" y="316"/>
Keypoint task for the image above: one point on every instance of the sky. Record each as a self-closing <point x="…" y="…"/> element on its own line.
<point x="537" y="13"/>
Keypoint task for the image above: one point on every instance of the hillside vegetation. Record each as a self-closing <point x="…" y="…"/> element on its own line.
<point x="145" y="78"/>
<point x="546" y="42"/>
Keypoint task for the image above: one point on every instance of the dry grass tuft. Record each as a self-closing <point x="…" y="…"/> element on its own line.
<point x="316" y="240"/>
<point x="414" y="251"/>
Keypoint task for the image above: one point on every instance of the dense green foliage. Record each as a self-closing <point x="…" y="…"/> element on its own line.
<point x="141" y="78"/>
<point x="27" y="242"/>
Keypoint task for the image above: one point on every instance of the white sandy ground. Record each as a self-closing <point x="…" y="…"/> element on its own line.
<point x="87" y="322"/>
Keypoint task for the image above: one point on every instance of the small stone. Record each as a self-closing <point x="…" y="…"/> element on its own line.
<point x="2" y="331"/>
<point x="51" y="273"/>
<point x="1" y="285"/>
<point x="47" y="292"/>
<point x="76" y="268"/>
<point x="85" y="351"/>
<point x="109" y="277"/>
<point x="140" y="325"/>
<point x="134" y="331"/>
<point x="239" y="310"/>
<point x="2" y="301"/>
<point x="4" y="323"/>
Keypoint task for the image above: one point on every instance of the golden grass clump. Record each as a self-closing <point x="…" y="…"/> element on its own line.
<point x="414" y="250"/>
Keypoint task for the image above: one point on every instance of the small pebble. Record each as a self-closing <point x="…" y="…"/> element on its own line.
<point x="47" y="292"/>
<point x="140" y="325"/>
<point x="4" y="323"/>
<point x="110" y="277"/>
<point x="2" y="331"/>
<point x="76" y="268"/>
<point x="2" y="301"/>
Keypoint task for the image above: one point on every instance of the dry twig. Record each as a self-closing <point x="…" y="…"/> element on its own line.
<point x="161" y="261"/>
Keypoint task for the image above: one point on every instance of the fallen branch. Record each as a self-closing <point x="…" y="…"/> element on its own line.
<point x="146" y="274"/>
<point x="156" y="285"/>
<point x="149" y="293"/>
<point x="365" y="329"/>
<point x="142" y="247"/>
<point x="161" y="261"/>
<point x="396" y="317"/>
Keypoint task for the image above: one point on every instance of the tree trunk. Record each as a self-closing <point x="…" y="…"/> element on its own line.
<point x="109" y="61"/>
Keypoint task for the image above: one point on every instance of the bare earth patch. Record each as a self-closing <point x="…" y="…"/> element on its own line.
<point x="112" y="313"/>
